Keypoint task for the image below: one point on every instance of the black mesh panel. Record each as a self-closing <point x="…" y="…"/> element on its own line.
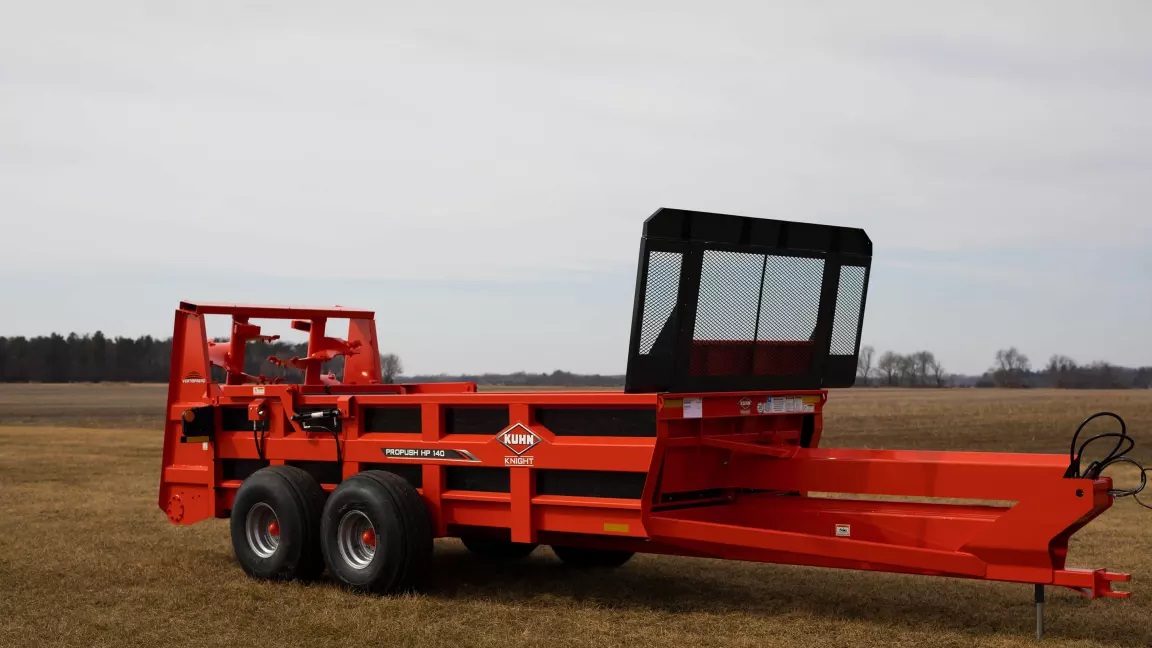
<point x="756" y="314"/>
<point x="729" y="283"/>
<point x="660" y="293"/>
<point x="791" y="298"/>
<point x="849" y="301"/>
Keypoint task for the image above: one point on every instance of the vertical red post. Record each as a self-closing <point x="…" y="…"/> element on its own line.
<point x="236" y="347"/>
<point x="315" y="343"/>
<point x="431" y="430"/>
<point x="522" y="483"/>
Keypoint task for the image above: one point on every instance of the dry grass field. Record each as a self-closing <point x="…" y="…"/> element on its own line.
<point x="86" y="558"/>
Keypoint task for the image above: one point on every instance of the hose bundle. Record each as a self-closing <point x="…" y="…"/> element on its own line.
<point x="1117" y="455"/>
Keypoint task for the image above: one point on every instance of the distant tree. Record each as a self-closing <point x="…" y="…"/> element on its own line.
<point x="889" y="367"/>
<point x="936" y="370"/>
<point x="1010" y="368"/>
<point x="1104" y="375"/>
<point x="390" y="367"/>
<point x="1062" y="371"/>
<point x="864" y="362"/>
<point x="56" y="362"/>
<point x="98" y="357"/>
<point x="1058" y="363"/>
<point x="922" y="363"/>
<point x="906" y="367"/>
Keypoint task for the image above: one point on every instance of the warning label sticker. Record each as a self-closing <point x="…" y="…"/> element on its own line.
<point x="785" y="405"/>
<point x="693" y="408"/>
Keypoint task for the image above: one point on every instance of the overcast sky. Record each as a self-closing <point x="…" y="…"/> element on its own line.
<point x="478" y="172"/>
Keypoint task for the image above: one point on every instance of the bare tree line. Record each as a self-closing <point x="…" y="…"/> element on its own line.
<point x="1010" y="368"/>
<point x="917" y="369"/>
<point x="95" y="358"/>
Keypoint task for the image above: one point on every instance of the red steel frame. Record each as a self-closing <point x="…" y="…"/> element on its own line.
<point x="728" y="475"/>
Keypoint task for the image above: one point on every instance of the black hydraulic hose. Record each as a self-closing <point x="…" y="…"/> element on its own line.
<point x="1117" y="455"/>
<point x="308" y="426"/>
<point x="258" y="430"/>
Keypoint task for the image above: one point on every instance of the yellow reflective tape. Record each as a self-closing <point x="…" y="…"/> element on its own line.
<point x="616" y="528"/>
<point x="673" y="403"/>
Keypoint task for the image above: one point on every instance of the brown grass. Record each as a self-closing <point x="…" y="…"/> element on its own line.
<point x="86" y="558"/>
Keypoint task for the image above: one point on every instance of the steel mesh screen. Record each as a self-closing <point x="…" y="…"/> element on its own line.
<point x="729" y="284"/>
<point x="755" y="314"/>
<point x="661" y="290"/>
<point x="791" y="298"/>
<point x="849" y="300"/>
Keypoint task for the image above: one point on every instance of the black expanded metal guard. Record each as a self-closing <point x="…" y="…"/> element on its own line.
<point x="732" y="303"/>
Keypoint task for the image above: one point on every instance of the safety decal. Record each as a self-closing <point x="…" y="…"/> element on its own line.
<point x="693" y="408"/>
<point x="785" y="404"/>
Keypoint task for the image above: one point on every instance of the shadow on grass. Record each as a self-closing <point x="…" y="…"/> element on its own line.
<point x="682" y="585"/>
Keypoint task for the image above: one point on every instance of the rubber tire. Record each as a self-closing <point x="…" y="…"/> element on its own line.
<point x="499" y="550"/>
<point x="297" y="499"/>
<point x="581" y="557"/>
<point x="403" y="527"/>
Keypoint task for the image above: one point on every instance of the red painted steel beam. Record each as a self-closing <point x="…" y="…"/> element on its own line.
<point x="316" y="396"/>
<point x="969" y="475"/>
<point x="670" y="529"/>
<point x="276" y="312"/>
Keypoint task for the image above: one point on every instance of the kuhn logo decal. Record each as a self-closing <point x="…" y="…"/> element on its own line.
<point x="519" y="440"/>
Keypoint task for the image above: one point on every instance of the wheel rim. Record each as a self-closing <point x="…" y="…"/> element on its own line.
<point x="356" y="538"/>
<point x="262" y="529"/>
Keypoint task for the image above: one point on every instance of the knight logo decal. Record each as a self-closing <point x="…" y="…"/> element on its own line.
<point x="519" y="440"/>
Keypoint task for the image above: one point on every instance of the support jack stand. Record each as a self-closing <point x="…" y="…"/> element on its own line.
<point x="1039" y="598"/>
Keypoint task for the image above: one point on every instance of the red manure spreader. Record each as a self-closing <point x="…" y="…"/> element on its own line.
<point x="740" y="325"/>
